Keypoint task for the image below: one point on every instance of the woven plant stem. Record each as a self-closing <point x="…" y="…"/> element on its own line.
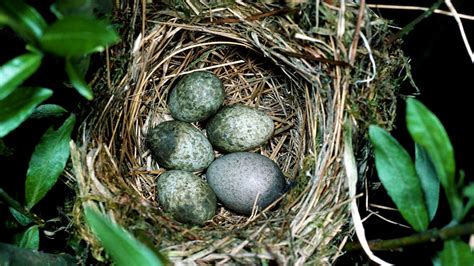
<point x="430" y="235"/>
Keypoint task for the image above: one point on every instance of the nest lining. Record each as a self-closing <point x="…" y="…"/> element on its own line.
<point x="261" y="64"/>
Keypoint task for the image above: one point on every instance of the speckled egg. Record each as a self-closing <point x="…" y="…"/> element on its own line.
<point x="239" y="128"/>
<point x="179" y="145"/>
<point x="237" y="179"/>
<point x="196" y="96"/>
<point x="188" y="198"/>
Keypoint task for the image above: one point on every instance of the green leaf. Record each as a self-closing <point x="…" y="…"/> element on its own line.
<point x="28" y="239"/>
<point x="468" y="192"/>
<point x="17" y="106"/>
<point x="78" y="82"/>
<point x="23" y="19"/>
<point x="429" y="180"/>
<point x="48" y="110"/>
<point x="77" y="36"/>
<point x="19" y="217"/>
<point x="397" y="173"/>
<point x="456" y="253"/>
<point x="48" y="161"/>
<point x="122" y="247"/>
<point x="17" y="70"/>
<point x="73" y="8"/>
<point x="428" y="132"/>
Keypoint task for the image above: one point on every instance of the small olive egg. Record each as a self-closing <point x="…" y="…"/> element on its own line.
<point x="196" y="96"/>
<point x="239" y="128"/>
<point x="239" y="178"/>
<point x="179" y="145"/>
<point x="188" y="198"/>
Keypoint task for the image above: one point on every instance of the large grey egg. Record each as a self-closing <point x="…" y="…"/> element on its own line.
<point x="239" y="128"/>
<point x="237" y="179"/>
<point x="188" y="198"/>
<point x="179" y="145"/>
<point x="196" y="96"/>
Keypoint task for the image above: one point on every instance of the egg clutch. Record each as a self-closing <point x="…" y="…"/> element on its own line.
<point x="239" y="179"/>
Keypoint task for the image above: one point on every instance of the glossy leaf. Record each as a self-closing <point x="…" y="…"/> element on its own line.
<point x="122" y="247"/>
<point x="468" y="192"/>
<point x="78" y="82"/>
<point x="73" y="7"/>
<point x="48" y="161"/>
<point x="48" y="110"/>
<point x="19" y="217"/>
<point x="398" y="175"/>
<point x="429" y="180"/>
<point x="17" y="106"/>
<point x="428" y="132"/>
<point x="29" y="239"/>
<point x="23" y="19"/>
<point x="77" y="36"/>
<point x="17" y="70"/>
<point x="456" y="253"/>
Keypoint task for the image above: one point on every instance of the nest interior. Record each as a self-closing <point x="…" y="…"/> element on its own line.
<point x="310" y="68"/>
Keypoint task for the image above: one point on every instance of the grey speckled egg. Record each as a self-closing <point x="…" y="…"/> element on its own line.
<point x="179" y="145"/>
<point x="239" y="128"/>
<point x="188" y="198"/>
<point x="196" y="96"/>
<point x="237" y="179"/>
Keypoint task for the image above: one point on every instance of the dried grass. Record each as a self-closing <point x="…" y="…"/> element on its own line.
<point x="308" y="79"/>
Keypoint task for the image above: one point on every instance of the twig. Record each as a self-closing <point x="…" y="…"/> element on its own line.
<point x="430" y="235"/>
<point x="409" y="27"/>
<point x="355" y="40"/>
<point x="420" y="8"/>
<point x="461" y="28"/>
<point x="17" y="206"/>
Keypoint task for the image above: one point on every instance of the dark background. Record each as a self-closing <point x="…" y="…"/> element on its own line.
<point x="444" y="74"/>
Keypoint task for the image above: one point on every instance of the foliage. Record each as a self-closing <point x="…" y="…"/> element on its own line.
<point x="69" y="39"/>
<point x="414" y="187"/>
<point x="120" y="244"/>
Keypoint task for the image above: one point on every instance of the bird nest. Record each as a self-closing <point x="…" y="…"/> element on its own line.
<point x="311" y="68"/>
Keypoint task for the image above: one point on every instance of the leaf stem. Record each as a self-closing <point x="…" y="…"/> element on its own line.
<point x="430" y="235"/>
<point x="17" y="206"/>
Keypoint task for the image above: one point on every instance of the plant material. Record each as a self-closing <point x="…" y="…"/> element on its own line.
<point x="48" y="161"/>
<point x="269" y="57"/>
<point x="434" y="159"/>
<point x="13" y="255"/>
<point x="19" y="105"/>
<point x="121" y="245"/>
<point x="29" y="239"/>
<point x="77" y="36"/>
<point x="72" y="38"/>
<point x="398" y="176"/>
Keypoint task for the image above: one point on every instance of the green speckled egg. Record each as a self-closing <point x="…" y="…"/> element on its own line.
<point x="237" y="178"/>
<point x="196" y="96"/>
<point x="188" y="198"/>
<point x="179" y="145"/>
<point x="239" y="128"/>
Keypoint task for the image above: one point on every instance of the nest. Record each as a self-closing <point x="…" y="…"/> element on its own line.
<point x="311" y="68"/>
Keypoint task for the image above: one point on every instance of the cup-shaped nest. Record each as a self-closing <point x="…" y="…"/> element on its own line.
<point x="315" y="70"/>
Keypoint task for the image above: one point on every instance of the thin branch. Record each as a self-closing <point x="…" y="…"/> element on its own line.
<point x="430" y="235"/>
<point x="420" y="8"/>
<point x="410" y="26"/>
<point x="461" y="28"/>
<point x="17" y="206"/>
